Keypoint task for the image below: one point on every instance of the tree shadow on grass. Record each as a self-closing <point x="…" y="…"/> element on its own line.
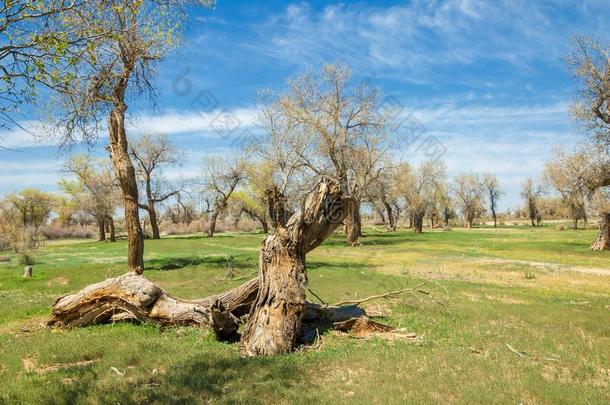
<point x="238" y="262"/>
<point x="204" y="377"/>
<point x="373" y="239"/>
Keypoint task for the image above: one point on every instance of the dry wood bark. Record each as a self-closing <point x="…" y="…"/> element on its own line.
<point x="132" y="297"/>
<point x="275" y="319"/>
<point x="126" y="175"/>
<point x="602" y="242"/>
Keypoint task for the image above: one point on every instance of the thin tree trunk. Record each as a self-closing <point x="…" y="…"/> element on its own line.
<point x="101" y="230"/>
<point x="154" y="222"/>
<point x="110" y="222"/>
<point x="493" y="214"/>
<point x="212" y="226"/>
<point x="127" y="179"/>
<point x="152" y="211"/>
<point x="353" y="225"/>
<point x="391" y="219"/>
<point x="602" y="242"/>
<point x="418" y="223"/>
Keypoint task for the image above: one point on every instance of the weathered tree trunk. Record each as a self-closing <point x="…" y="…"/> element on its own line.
<point x="212" y="225"/>
<point x="154" y="222"/>
<point x="352" y="224"/>
<point x="418" y="222"/>
<point x="264" y="224"/>
<point x="495" y="217"/>
<point x="602" y="242"/>
<point x="275" y="319"/>
<point x="110" y="222"/>
<point x="126" y="175"/>
<point x="469" y="220"/>
<point x="101" y="230"/>
<point x="132" y="297"/>
<point x="391" y="219"/>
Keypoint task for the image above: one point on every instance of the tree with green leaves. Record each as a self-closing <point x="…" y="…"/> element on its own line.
<point x="95" y="191"/>
<point x="531" y="193"/>
<point x="125" y="39"/>
<point x="32" y="44"/>
<point x="418" y="186"/>
<point x="469" y="192"/>
<point x="34" y="206"/>
<point x="590" y="65"/>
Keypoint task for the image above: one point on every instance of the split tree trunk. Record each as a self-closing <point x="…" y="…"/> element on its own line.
<point x="276" y="313"/>
<point x="127" y="179"/>
<point x="275" y="319"/>
<point x="602" y="242"/>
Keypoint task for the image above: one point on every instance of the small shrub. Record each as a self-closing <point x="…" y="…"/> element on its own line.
<point x="56" y="231"/>
<point x="5" y="259"/>
<point x="529" y="275"/>
<point x="5" y="243"/>
<point x="560" y="227"/>
<point x="26" y="258"/>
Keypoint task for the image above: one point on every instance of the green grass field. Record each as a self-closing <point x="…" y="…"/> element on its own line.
<point x="539" y="291"/>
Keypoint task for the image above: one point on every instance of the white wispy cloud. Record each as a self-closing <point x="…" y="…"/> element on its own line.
<point x="212" y="123"/>
<point x="208" y="124"/>
<point x="421" y="34"/>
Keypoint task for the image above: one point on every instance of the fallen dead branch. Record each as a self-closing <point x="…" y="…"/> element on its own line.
<point x="525" y="355"/>
<point x="415" y="289"/>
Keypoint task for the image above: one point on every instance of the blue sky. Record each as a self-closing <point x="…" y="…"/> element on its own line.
<point x="485" y="79"/>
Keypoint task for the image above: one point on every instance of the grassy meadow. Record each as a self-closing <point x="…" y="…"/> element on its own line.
<point x="526" y="320"/>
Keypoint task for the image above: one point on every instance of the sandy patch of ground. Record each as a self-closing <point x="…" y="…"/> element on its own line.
<point x="550" y="266"/>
